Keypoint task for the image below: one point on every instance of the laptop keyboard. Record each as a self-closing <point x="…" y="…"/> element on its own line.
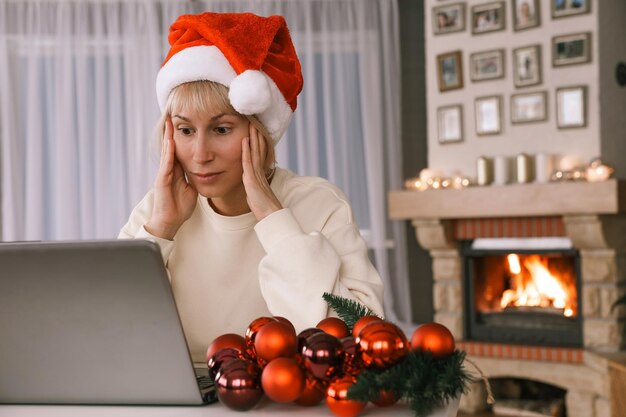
<point x="207" y="389"/>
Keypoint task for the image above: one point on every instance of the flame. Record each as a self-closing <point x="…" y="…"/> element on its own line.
<point x="536" y="286"/>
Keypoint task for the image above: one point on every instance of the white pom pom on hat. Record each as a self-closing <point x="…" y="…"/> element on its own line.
<point x="250" y="54"/>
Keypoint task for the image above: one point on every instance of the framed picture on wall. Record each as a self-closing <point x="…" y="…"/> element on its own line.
<point x="449" y="18"/>
<point x="571" y="49"/>
<point x="488" y="115"/>
<point x="487" y="65"/>
<point x="450" y="71"/>
<point x="529" y="107"/>
<point x="450" y="124"/>
<point x="488" y="17"/>
<point x="565" y="8"/>
<point x="571" y="107"/>
<point x="527" y="66"/>
<point x="526" y="14"/>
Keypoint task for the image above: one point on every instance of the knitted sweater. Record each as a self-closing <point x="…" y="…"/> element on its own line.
<point x="226" y="271"/>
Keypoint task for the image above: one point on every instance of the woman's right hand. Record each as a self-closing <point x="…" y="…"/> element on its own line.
<point x="174" y="198"/>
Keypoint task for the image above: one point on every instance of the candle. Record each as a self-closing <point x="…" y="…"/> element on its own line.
<point x="501" y="170"/>
<point x="483" y="171"/>
<point x="523" y="168"/>
<point x="544" y="166"/>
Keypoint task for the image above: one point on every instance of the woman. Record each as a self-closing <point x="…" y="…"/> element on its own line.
<point x="240" y="237"/>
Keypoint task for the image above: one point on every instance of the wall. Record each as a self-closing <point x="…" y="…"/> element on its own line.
<point x="584" y="143"/>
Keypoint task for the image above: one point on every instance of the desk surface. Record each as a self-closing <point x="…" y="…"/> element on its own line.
<point x="266" y="408"/>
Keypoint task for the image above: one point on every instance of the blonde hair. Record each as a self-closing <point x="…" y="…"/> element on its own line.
<point x="211" y="97"/>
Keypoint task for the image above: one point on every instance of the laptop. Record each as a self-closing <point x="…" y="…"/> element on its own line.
<point x="92" y="322"/>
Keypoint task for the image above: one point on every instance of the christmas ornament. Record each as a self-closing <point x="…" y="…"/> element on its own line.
<point x="435" y="338"/>
<point x="352" y="362"/>
<point x="322" y="355"/>
<point x="337" y="398"/>
<point x="238" y="384"/>
<point x="220" y="358"/>
<point x="275" y="339"/>
<point x="286" y="321"/>
<point x="334" y="326"/>
<point x="252" y="331"/>
<point x="362" y="322"/>
<point x="314" y="391"/>
<point x="382" y="344"/>
<point x="283" y="380"/>
<point x="304" y="334"/>
<point x="228" y="340"/>
<point x="385" y="398"/>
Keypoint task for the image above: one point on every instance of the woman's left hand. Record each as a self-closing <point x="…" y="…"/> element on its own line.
<point x="261" y="199"/>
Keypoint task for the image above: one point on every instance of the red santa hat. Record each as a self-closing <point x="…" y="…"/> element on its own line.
<point x="250" y="54"/>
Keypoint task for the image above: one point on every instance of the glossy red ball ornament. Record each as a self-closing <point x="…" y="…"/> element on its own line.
<point x="322" y="353"/>
<point x="362" y="322"/>
<point x="252" y="331"/>
<point x="334" y="326"/>
<point x="337" y="398"/>
<point x="275" y="340"/>
<point x="238" y="384"/>
<point x="314" y="391"/>
<point x="304" y="334"/>
<point x="228" y="340"/>
<point x="283" y="380"/>
<point x="352" y="361"/>
<point x="434" y="338"/>
<point x="286" y="321"/>
<point x="385" y="398"/>
<point x="221" y="357"/>
<point x="382" y="344"/>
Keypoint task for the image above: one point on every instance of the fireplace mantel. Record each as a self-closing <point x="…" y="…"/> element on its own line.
<point x="519" y="200"/>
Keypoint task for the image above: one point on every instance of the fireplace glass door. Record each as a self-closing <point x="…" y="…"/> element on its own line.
<point x="523" y="296"/>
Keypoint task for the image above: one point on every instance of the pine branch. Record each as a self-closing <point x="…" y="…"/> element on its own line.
<point x="348" y="310"/>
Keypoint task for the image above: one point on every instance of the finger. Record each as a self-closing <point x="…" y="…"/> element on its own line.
<point x="169" y="149"/>
<point x="246" y="161"/>
<point x="255" y="148"/>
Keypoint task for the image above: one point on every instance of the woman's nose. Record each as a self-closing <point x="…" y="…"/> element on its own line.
<point x="203" y="151"/>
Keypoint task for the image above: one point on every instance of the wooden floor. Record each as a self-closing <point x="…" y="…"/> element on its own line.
<point x="483" y="414"/>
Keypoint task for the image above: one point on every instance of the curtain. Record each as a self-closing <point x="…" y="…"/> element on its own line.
<point x="78" y="109"/>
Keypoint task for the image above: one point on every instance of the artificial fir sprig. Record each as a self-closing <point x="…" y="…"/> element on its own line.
<point x="348" y="310"/>
<point x="426" y="382"/>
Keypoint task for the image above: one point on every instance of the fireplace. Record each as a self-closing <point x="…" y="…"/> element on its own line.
<point x="499" y="336"/>
<point x="519" y="294"/>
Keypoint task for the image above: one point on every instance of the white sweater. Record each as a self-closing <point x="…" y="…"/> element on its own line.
<point x="227" y="271"/>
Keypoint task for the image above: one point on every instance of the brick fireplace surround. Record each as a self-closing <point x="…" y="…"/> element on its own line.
<point x="593" y="216"/>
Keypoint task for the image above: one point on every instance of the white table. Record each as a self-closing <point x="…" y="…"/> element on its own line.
<point x="266" y="408"/>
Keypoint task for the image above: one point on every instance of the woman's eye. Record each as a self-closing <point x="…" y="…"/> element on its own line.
<point x="222" y="130"/>
<point x="186" y="131"/>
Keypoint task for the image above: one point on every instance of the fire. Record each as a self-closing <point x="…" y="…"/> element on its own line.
<point x="536" y="286"/>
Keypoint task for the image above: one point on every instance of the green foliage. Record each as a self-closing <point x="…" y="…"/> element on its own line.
<point x="348" y="310"/>
<point x="426" y="382"/>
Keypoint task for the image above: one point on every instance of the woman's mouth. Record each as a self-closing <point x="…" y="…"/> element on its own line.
<point x="207" y="178"/>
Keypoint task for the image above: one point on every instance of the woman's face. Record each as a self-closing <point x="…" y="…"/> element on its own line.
<point x="208" y="146"/>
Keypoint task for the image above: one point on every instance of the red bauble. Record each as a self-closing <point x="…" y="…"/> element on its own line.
<point x="334" y="326"/>
<point x="238" y="384"/>
<point x="283" y="380"/>
<point x="252" y="331"/>
<point x="352" y="361"/>
<point x="322" y="355"/>
<point x="286" y="321"/>
<point x="304" y="334"/>
<point x="275" y="340"/>
<point x="314" y="391"/>
<point x="361" y="323"/>
<point x="382" y="344"/>
<point x="228" y="340"/>
<point x="337" y="398"/>
<point x="434" y="338"/>
<point x="385" y="398"/>
<point x="221" y="357"/>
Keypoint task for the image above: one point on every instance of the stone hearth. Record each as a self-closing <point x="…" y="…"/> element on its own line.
<point x="592" y="216"/>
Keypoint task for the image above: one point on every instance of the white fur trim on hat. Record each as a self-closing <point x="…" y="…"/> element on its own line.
<point x="252" y="92"/>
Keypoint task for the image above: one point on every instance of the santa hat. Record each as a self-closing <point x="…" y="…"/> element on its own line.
<point x="250" y="54"/>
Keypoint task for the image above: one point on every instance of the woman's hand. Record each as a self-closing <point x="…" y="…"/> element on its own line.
<point x="261" y="199"/>
<point x="174" y="198"/>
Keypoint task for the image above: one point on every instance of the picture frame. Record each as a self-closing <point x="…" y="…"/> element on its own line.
<point x="527" y="66"/>
<point x="449" y="18"/>
<point x="450" y="71"/>
<point x="488" y="112"/>
<point x="526" y="14"/>
<point x="571" y="49"/>
<point x="571" y="107"/>
<point x="450" y="124"/>
<point x="487" y="65"/>
<point x="529" y="107"/>
<point x="488" y="17"/>
<point x="567" y="8"/>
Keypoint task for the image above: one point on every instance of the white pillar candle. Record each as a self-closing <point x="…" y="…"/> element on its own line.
<point x="544" y="166"/>
<point x="501" y="170"/>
